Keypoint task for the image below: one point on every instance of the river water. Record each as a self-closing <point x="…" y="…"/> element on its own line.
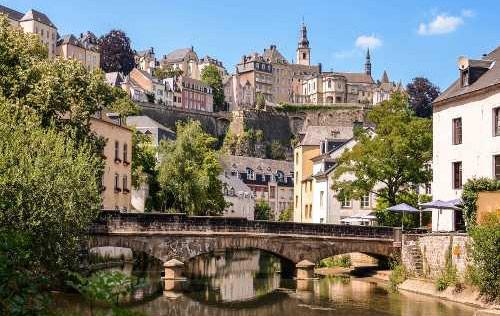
<point x="249" y="283"/>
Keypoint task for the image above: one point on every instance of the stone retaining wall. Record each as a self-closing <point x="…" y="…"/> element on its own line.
<point x="433" y="250"/>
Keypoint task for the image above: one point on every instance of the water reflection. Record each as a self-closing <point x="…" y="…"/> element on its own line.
<point x="248" y="283"/>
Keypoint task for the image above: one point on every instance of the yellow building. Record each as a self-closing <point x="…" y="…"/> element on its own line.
<point x="304" y="152"/>
<point x="34" y="22"/>
<point x="84" y="49"/>
<point x="117" y="178"/>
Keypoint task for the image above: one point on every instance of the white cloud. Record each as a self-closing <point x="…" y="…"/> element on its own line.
<point x="368" y="41"/>
<point x="444" y="23"/>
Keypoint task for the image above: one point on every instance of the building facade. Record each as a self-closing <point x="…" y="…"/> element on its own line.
<point x="207" y="60"/>
<point x="184" y="59"/>
<point x="117" y="178"/>
<point x="240" y="198"/>
<point x="269" y="180"/>
<point x="466" y="133"/>
<point x="34" y="22"/>
<point x="84" y="49"/>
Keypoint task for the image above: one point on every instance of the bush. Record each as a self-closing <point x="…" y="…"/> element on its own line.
<point x="343" y="261"/>
<point x="485" y="273"/>
<point x="398" y="276"/>
<point x="470" y="194"/>
<point x="448" y="277"/>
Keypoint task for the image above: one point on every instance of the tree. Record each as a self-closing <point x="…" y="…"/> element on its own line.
<point x="262" y="211"/>
<point x="211" y="76"/>
<point x="422" y="92"/>
<point x="286" y="215"/>
<point x="49" y="187"/>
<point x="188" y="172"/>
<point x="276" y="150"/>
<point x="116" y="53"/>
<point x="167" y="72"/>
<point x="394" y="155"/>
<point x="144" y="168"/>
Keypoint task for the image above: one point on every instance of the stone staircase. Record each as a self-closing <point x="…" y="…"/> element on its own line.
<point x="417" y="260"/>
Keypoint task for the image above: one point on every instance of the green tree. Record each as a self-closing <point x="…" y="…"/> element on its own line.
<point x="49" y="186"/>
<point x="144" y="168"/>
<point x="188" y="172"/>
<point x="286" y="215"/>
<point x="211" y="76"/>
<point x="276" y="150"/>
<point x="262" y="211"/>
<point x="395" y="155"/>
<point x="167" y="72"/>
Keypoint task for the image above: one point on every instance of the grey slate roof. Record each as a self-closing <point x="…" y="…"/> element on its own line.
<point x="177" y="55"/>
<point x="260" y="165"/>
<point x="11" y="14"/>
<point x="37" y="16"/>
<point x="489" y="78"/>
<point x="143" y="121"/>
<point x="114" y="78"/>
<point x="357" y="77"/>
<point x="313" y="135"/>
<point x="235" y="183"/>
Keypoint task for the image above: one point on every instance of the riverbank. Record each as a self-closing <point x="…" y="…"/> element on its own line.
<point x="467" y="296"/>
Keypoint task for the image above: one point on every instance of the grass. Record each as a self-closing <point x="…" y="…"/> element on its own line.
<point x="398" y="276"/>
<point x="447" y="277"/>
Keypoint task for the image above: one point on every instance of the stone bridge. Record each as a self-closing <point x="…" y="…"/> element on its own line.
<point x="181" y="237"/>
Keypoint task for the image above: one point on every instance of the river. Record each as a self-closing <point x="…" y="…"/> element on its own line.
<point x="248" y="283"/>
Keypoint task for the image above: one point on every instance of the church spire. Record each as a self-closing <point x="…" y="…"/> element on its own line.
<point x="368" y="63"/>
<point x="303" y="49"/>
<point x="303" y="41"/>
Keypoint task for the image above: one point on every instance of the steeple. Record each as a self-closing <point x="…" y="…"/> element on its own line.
<point x="303" y="49"/>
<point x="368" y="63"/>
<point x="385" y="77"/>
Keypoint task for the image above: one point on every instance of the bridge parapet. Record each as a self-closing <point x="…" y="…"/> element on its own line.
<point x="114" y="221"/>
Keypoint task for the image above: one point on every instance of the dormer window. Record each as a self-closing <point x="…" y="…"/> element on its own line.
<point x="280" y="176"/>
<point x="250" y="174"/>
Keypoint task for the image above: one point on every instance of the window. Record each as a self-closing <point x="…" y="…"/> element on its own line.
<point x="125" y="183"/>
<point x="496" y="121"/>
<point x="428" y="189"/>
<point x="117" y="183"/>
<point x="346" y="202"/>
<point x="250" y="174"/>
<point x="321" y="197"/>
<point x="117" y="151"/>
<point x="272" y="192"/>
<point x="329" y="83"/>
<point x="125" y="152"/>
<point x="496" y="161"/>
<point x="457" y="131"/>
<point x="280" y="176"/>
<point x="457" y="175"/>
<point x="303" y="55"/>
<point x="296" y="158"/>
<point x="365" y="201"/>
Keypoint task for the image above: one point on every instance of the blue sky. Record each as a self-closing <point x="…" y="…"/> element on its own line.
<point x="407" y="38"/>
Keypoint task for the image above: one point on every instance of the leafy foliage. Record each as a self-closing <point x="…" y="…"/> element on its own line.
<point x="188" y="172"/>
<point x="211" y="76"/>
<point x="167" y="72"/>
<point x="262" y="211"/>
<point x="249" y="143"/>
<point x="395" y="155"/>
<point x="20" y="284"/>
<point x="260" y="101"/>
<point x="422" y="92"/>
<point x="486" y="256"/>
<point x="276" y="151"/>
<point x="343" y="261"/>
<point x="470" y="195"/>
<point x="387" y="218"/>
<point x="116" y="53"/>
<point x="286" y="215"/>
<point x="398" y="276"/>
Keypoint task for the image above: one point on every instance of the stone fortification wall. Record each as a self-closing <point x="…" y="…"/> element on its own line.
<point x="426" y="255"/>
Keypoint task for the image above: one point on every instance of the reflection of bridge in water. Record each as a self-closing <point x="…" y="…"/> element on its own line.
<point x="177" y="236"/>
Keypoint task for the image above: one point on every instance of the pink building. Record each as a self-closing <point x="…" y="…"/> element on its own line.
<point x="196" y="95"/>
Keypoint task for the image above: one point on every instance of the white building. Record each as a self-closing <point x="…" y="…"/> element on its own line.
<point x="239" y="197"/>
<point x="326" y="207"/>
<point x="466" y="133"/>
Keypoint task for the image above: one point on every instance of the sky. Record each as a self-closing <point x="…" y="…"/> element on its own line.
<point x="407" y="38"/>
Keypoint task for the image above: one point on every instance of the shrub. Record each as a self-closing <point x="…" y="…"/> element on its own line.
<point x="485" y="272"/>
<point x="470" y="194"/>
<point x="447" y="277"/>
<point x="343" y="261"/>
<point x="398" y="276"/>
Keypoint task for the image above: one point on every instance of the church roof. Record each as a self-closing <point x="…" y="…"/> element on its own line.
<point x="385" y="78"/>
<point x="34" y="15"/>
<point x="490" y="78"/>
<point x="178" y="54"/>
<point x="357" y="77"/>
<point x="11" y="14"/>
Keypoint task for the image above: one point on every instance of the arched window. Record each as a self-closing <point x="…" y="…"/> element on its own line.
<point x="280" y="176"/>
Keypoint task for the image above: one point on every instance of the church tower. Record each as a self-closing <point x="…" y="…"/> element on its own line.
<point x="368" y="63"/>
<point x="303" y="50"/>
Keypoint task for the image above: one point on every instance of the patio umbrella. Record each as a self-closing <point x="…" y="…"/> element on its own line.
<point x="402" y="208"/>
<point x="442" y="205"/>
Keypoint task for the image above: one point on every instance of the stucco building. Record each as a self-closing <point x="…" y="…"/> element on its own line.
<point x="270" y="180"/>
<point x="83" y="48"/>
<point x="34" y="22"/>
<point x="466" y="133"/>
<point x="184" y="59"/>
<point x="117" y="178"/>
<point x="239" y="196"/>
